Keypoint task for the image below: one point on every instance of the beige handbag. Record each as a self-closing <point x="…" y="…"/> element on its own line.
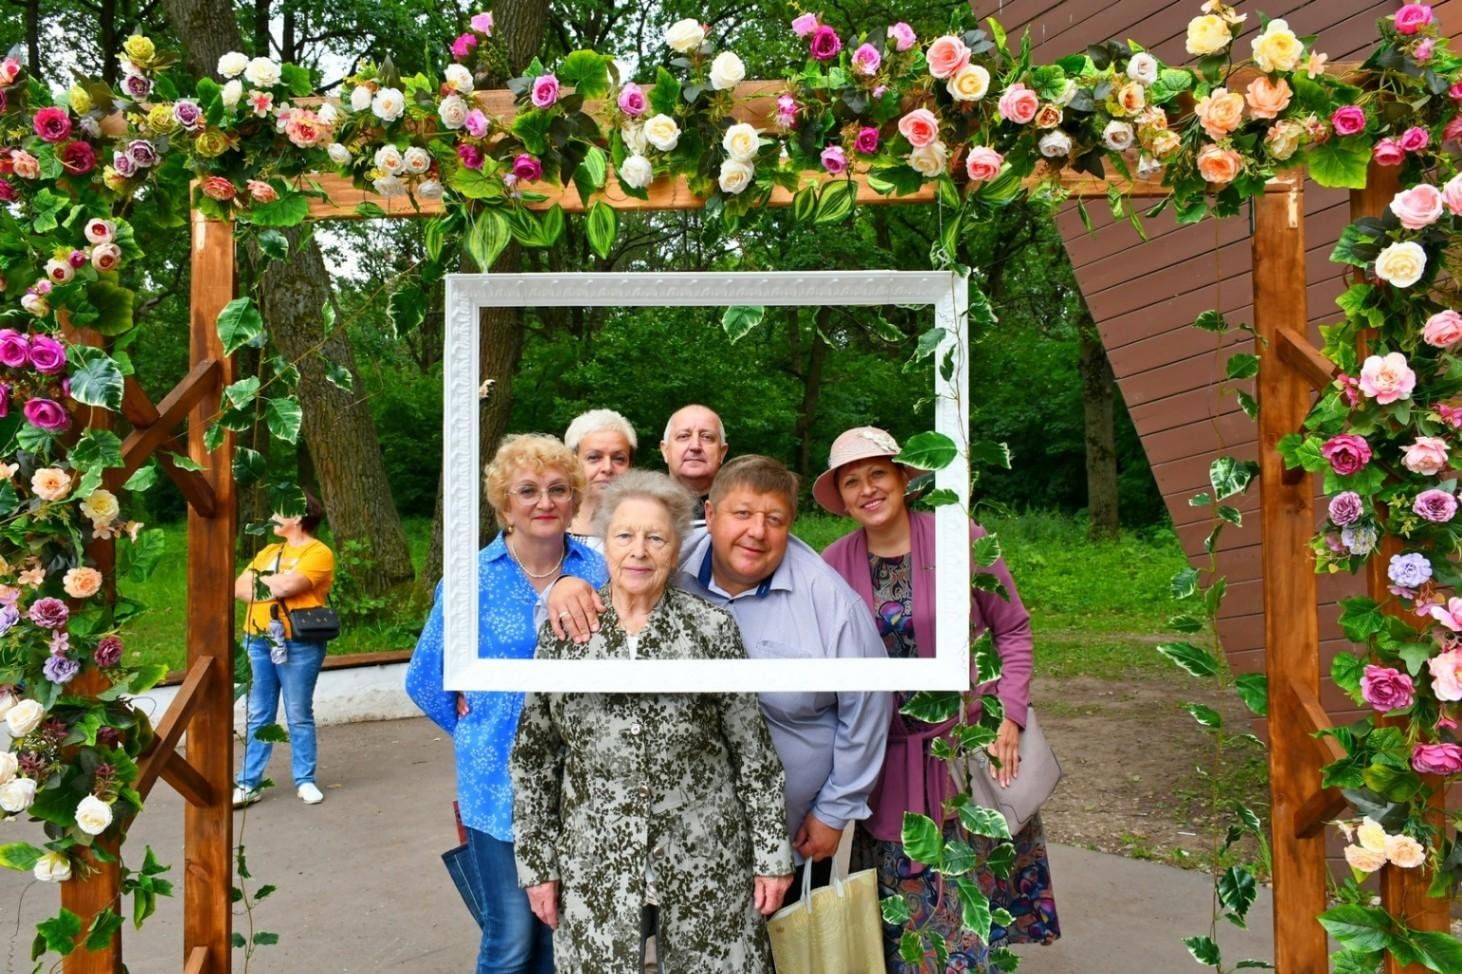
<point x="837" y="929"/>
<point x="1034" y="782"/>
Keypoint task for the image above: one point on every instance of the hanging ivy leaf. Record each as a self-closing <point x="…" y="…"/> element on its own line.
<point x="1339" y="163"/>
<point x="283" y="417"/>
<point x="488" y="237"/>
<point x="928" y="451"/>
<point x="1253" y="689"/>
<point x="339" y="376"/>
<point x="274" y="244"/>
<point x="1191" y="659"/>
<point x="835" y="202"/>
<point x="1203" y="949"/>
<point x="96" y="380"/>
<point x="921" y="838"/>
<point x="113" y="306"/>
<point x="96" y="449"/>
<point x="289" y="210"/>
<point x="602" y="227"/>
<point x="240" y="324"/>
<point x="242" y="392"/>
<point x="739" y="319"/>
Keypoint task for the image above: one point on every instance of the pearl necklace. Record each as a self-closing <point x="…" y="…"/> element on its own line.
<point x="519" y="561"/>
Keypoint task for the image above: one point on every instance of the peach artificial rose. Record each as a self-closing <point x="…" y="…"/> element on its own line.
<point x="82" y="582"/>
<point x="50" y="483"/>
<point x="920" y="127"/>
<point x="1218" y="165"/>
<point x="1220" y="112"/>
<point x="1268" y="98"/>
<point x="946" y="56"/>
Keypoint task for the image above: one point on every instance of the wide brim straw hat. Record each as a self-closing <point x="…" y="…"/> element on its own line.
<point x="858" y="443"/>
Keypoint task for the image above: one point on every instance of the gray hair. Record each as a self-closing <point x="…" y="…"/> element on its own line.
<point x="669" y="423"/>
<point x="652" y="486"/>
<point x="598" y="421"/>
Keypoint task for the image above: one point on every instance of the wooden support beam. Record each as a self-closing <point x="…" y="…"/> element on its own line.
<point x="168" y="415"/>
<point x="194" y="487"/>
<point x="1317" y="811"/>
<point x="188" y="782"/>
<point x="1291" y="626"/>
<point x="1308" y="708"/>
<point x="170" y="729"/>
<point x="208" y="827"/>
<point x="136" y="405"/>
<point x="1296" y="351"/>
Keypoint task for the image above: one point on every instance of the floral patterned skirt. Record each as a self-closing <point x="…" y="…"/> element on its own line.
<point x="1026" y="894"/>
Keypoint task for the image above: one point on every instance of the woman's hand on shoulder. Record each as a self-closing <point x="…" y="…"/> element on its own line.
<point x="574" y="609"/>
<point x="770" y="891"/>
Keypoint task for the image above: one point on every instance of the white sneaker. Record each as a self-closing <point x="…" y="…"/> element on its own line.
<point x="245" y="796"/>
<point x="309" y="794"/>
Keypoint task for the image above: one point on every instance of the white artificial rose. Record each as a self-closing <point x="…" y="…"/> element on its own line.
<point x="93" y="815"/>
<point x="1404" y="851"/>
<point x="388" y="104"/>
<point x="735" y="176"/>
<point x="1401" y="264"/>
<point x="1117" y="136"/>
<point x="1055" y="144"/>
<point x="24" y="717"/>
<point x="1277" y="49"/>
<point x="459" y="77"/>
<point x="360" y="98"/>
<point x="741" y="142"/>
<point x="416" y="160"/>
<point x="636" y="172"/>
<point x="930" y="160"/>
<point x="726" y="71"/>
<point x="53" y="867"/>
<point x="9" y="765"/>
<point x="429" y="189"/>
<point x="453" y="111"/>
<point x="339" y="154"/>
<point x="388" y="159"/>
<point x="328" y="113"/>
<point x="232" y="92"/>
<point x="232" y="64"/>
<point x="969" y="83"/>
<point x="389" y="186"/>
<point x="262" y="73"/>
<point x="7" y="700"/>
<point x="1142" y="68"/>
<point x="685" y="35"/>
<point x="662" y="132"/>
<point x="17" y="794"/>
<point x="634" y="138"/>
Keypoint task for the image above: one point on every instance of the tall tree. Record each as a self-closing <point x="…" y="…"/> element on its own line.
<point x="337" y="427"/>
<point x="1097" y="401"/>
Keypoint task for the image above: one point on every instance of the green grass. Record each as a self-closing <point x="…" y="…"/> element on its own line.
<point x="1095" y="608"/>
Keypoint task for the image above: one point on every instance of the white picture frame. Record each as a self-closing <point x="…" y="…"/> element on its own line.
<point x="467" y="294"/>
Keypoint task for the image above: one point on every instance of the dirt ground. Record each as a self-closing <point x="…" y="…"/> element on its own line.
<point x="1129" y="753"/>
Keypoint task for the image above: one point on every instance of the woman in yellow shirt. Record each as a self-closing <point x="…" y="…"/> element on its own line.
<point x="294" y="573"/>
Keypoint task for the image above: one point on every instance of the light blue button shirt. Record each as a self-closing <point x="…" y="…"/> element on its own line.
<point x="505" y="630"/>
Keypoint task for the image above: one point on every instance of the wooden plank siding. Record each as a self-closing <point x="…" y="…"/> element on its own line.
<point x="1144" y="296"/>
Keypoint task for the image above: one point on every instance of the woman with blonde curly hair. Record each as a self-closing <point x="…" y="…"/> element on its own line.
<point x="534" y="485"/>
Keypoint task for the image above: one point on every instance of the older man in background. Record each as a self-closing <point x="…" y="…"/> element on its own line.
<point x="694" y="448"/>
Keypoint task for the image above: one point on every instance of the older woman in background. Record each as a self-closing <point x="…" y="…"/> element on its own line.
<point x="638" y="813"/>
<point x="889" y="561"/>
<point x="605" y="444"/>
<point x="534" y="484"/>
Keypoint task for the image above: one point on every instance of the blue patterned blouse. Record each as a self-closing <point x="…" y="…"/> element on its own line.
<point x="484" y="738"/>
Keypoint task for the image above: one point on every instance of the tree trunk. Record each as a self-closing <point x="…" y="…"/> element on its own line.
<point x="32" y="18"/>
<point x="518" y="27"/>
<point x="811" y="375"/>
<point x="1097" y="384"/>
<point x="337" y="425"/>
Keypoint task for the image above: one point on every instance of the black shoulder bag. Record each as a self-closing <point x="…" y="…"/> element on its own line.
<point x="318" y="624"/>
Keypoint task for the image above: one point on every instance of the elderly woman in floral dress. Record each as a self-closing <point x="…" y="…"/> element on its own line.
<point x="658" y="812"/>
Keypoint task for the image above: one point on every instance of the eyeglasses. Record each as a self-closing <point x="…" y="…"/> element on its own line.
<point x="530" y="493"/>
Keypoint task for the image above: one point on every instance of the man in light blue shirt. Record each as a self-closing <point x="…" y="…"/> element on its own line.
<point x="788" y="603"/>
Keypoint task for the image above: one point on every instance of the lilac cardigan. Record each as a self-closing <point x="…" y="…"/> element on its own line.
<point x="912" y="780"/>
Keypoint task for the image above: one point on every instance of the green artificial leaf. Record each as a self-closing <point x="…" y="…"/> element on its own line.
<point x="20" y="856"/>
<point x="1203" y="949"/>
<point x="283" y="417"/>
<point x="1237" y="891"/>
<point x="1346" y="669"/>
<point x="958" y="859"/>
<point x="240" y="324"/>
<point x="487" y="238"/>
<point x="59" y="933"/>
<point x="1001" y="861"/>
<point x="473" y="184"/>
<point x="1206" y="716"/>
<point x="895" y="910"/>
<point x="990" y="454"/>
<point x="1360" y="928"/>
<point x="242" y="392"/>
<point x="1361" y="618"/>
<point x="113" y="305"/>
<point x="932" y="706"/>
<point x="1196" y="662"/>
<point x="987" y="659"/>
<point x="911" y="947"/>
<point x="290" y="210"/>
<point x="1230" y="476"/>
<point x="601" y="228"/>
<point x="1253" y="689"/>
<point x="665" y="96"/>
<point x="249" y="466"/>
<point x="1247" y="403"/>
<point x="1185" y="624"/>
<point x="1244" y="365"/>
<point x="1339" y="163"/>
<point x="137" y="560"/>
<point x="264" y="938"/>
<point x="1184" y="584"/>
<point x="738" y="320"/>
<point x="104" y="926"/>
<point x="928" y="451"/>
<point x="339" y="376"/>
<point x="95" y="378"/>
<point x="974" y="908"/>
<point x="804" y="204"/>
<point x="587" y="71"/>
<point x="274" y="244"/>
<point x="272" y="734"/>
<point x="986" y="550"/>
<point x="835" y="202"/>
<point x="983" y="821"/>
<point x="1436" y="951"/>
<point x="1354" y="961"/>
<point x="595" y="168"/>
<point x="297" y="79"/>
<point x="921" y="838"/>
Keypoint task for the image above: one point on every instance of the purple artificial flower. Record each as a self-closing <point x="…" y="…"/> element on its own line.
<point x="545" y="91"/>
<point x="866" y="59"/>
<point x="866" y="142"/>
<point x="632" y="100"/>
<point x="108" y="652"/>
<point x="476" y="123"/>
<point x="46" y="414"/>
<point x="14" y="349"/>
<point x="1437" y="506"/>
<point x="77" y="158"/>
<point x="482" y="23"/>
<point x="142" y="153"/>
<point x="49" y="613"/>
<point x="123" y="164"/>
<point x="1409" y="570"/>
<point x="60" y="642"/>
<point x="463" y="45"/>
<point x="61" y="669"/>
<point x="9" y="616"/>
<point x="527" y="168"/>
<point x="4" y="399"/>
<point x="1346" y="508"/>
<point x="46" y="354"/>
<point x="903" y="36"/>
<point x="188" y="114"/>
<point x="834" y="160"/>
<point x="469" y="155"/>
<point x="825" y="43"/>
<point x="136" y="86"/>
<point x="78" y="259"/>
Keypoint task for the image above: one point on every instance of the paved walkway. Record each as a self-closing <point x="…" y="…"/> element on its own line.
<point x="362" y="889"/>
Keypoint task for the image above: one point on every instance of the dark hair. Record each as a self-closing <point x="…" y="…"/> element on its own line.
<point x="313" y="515"/>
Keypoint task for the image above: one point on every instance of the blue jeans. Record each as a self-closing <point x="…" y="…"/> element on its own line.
<point x="514" y="941"/>
<point x="295" y="677"/>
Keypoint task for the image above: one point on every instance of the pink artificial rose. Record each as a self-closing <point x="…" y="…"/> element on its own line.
<point x="920" y="127"/>
<point x="47" y="355"/>
<point x="1447" y="675"/>
<point x="1388" y="152"/>
<point x="106" y="257"/>
<point x="1453" y="131"/>
<point x="475" y="123"/>
<point x="866" y="60"/>
<point x="1424" y="50"/>
<point x="946" y="56"/>
<point x="1443" y="329"/>
<point x="1387" y="379"/>
<point x="902" y="35"/>
<point x="1427" y="455"/>
<point x="1437" y="758"/>
<point x="545" y="91"/>
<point x="469" y="155"/>
<point x="804" y="25"/>
<point x="1018" y="104"/>
<point x="1418" y="207"/>
<point x="218" y="188"/>
<point x="1449" y="615"/>
<point x="46" y="414"/>
<point x="866" y="142"/>
<point x="1436" y="506"/>
<point x="983" y="164"/>
<point x="632" y="100"/>
<point x="482" y="23"/>
<point x="1348" y="120"/>
<point x="1386" y="689"/>
<point x="26" y="166"/>
<point x="834" y="160"/>
<point x="1412" y="17"/>
<point x="9" y="71"/>
<point x="14" y="349"/>
<point x="1452" y="195"/>
<point x="1415" y="139"/>
<point x="1347" y="453"/>
<point x="527" y="168"/>
<point x="825" y="43"/>
<point x="1455" y="91"/>
<point x="77" y="158"/>
<point x="261" y="191"/>
<point x="463" y="45"/>
<point x="52" y="124"/>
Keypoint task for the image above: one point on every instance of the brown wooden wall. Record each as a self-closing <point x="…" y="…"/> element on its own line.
<point x="1145" y="295"/>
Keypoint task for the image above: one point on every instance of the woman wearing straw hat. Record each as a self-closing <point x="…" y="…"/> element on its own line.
<point x="889" y="561"/>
